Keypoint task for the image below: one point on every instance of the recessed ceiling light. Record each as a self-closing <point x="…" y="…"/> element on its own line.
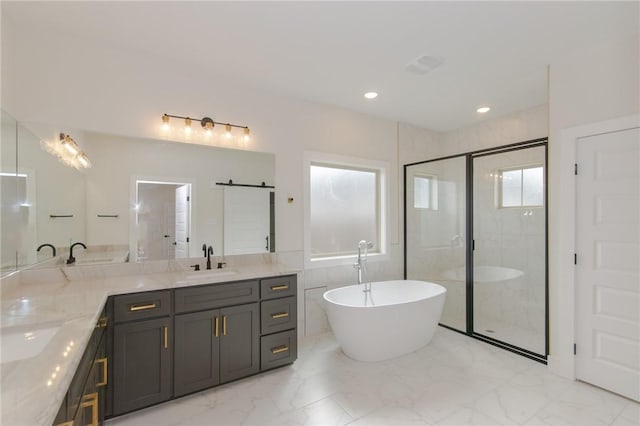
<point x="482" y="110"/>
<point x="371" y="95"/>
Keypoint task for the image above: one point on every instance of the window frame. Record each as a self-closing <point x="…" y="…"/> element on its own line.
<point x="499" y="186"/>
<point x="383" y="207"/>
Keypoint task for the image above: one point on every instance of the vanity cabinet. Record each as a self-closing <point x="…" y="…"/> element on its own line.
<point x="84" y="402"/>
<point x="216" y="346"/>
<point x="279" y="340"/>
<point x="143" y="348"/>
<point x="170" y="343"/>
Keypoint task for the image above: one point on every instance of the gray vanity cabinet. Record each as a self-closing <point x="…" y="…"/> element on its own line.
<point x="143" y="348"/>
<point x="240" y="342"/>
<point x="197" y="348"/>
<point x="217" y="345"/>
<point x="169" y="343"/>
<point x="84" y="401"/>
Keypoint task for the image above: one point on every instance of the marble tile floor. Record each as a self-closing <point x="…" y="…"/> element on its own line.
<point x="455" y="380"/>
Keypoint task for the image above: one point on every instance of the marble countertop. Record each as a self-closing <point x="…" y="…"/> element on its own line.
<point x="62" y="314"/>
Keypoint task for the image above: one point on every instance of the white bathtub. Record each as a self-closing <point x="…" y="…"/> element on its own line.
<point x="395" y="318"/>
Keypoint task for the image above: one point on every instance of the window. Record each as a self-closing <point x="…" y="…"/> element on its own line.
<point x="522" y="187"/>
<point x="345" y="204"/>
<point x="425" y="192"/>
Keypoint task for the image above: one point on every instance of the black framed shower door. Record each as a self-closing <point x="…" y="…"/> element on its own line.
<point x="476" y="223"/>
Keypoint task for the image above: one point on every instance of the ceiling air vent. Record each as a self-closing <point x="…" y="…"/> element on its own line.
<point x="424" y="64"/>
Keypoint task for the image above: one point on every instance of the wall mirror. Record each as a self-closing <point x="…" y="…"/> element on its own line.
<point x="132" y="200"/>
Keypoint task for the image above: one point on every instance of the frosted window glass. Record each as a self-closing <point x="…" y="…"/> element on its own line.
<point x="511" y="188"/>
<point x="421" y="192"/>
<point x="532" y="187"/>
<point x="344" y="206"/>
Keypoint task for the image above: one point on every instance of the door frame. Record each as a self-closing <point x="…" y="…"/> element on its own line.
<point x="133" y="199"/>
<point x="562" y="239"/>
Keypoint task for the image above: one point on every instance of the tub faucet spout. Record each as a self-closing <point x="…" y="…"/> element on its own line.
<point x="360" y="264"/>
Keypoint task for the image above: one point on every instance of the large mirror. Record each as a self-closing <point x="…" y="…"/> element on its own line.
<point x="142" y="199"/>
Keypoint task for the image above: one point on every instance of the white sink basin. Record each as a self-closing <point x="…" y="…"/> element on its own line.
<point x="23" y="342"/>
<point x="212" y="274"/>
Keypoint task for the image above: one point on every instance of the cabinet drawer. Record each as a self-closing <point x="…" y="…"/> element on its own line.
<point x="272" y="288"/>
<point x="136" y="306"/>
<point x="278" y="315"/>
<point x="278" y="349"/>
<point x="215" y="296"/>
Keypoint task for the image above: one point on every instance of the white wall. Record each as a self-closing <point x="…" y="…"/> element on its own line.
<point x="598" y="83"/>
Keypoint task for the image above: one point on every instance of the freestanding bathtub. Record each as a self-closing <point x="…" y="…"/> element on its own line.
<point x="395" y="318"/>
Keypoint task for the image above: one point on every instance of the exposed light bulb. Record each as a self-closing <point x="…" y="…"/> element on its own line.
<point x="187" y="125"/>
<point x="227" y="129"/>
<point x="484" y="109"/>
<point x="165" y="122"/>
<point x="208" y="128"/>
<point x="84" y="160"/>
<point x="69" y="144"/>
<point x="371" y="95"/>
<point x="245" y="136"/>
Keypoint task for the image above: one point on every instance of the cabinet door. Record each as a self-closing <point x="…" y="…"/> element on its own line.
<point x="239" y="342"/>
<point x="197" y="345"/>
<point x="142" y="364"/>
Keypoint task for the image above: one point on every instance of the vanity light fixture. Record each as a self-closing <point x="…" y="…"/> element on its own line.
<point x="207" y="125"/>
<point x="67" y="151"/>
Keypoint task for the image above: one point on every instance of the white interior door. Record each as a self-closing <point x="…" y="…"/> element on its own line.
<point x="246" y="220"/>
<point x="608" y="258"/>
<point x="183" y="214"/>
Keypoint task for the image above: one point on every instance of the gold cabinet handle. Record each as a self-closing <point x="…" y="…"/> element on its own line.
<point x="91" y="401"/>
<point x="280" y="349"/>
<point x="280" y="315"/>
<point x="102" y="322"/>
<point x="134" y="308"/>
<point x="215" y="326"/>
<point x="166" y="337"/>
<point x="70" y="423"/>
<point x="224" y="325"/>
<point x="280" y="287"/>
<point x="104" y="371"/>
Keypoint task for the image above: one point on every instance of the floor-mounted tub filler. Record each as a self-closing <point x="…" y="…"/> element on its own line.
<point x="393" y="319"/>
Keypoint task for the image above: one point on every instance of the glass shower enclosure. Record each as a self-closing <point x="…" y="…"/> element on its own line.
<point x="476" y="224"/>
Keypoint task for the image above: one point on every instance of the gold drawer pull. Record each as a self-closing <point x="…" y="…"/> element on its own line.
<point x="166" y="337"/>
<point x="91" y="401"/>
<point x="224" y="325"/>
<point x="280" y="349"/>
<point x="134" y="308"/>
<point x="280" y="315"/>
<point x="104" y="371"/>
<point x="215" y="326"/>
<point x="102" y="322"/>
<point x="280" y="287"/>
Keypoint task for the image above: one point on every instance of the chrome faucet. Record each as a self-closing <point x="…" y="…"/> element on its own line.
<point x="47" y="245"/>
<point x="72" y="259"/>
<point x="362" y="259"/>
<point x="209" y="253"/>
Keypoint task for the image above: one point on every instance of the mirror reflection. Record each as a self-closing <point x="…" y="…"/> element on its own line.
<point x="142" y="199"/>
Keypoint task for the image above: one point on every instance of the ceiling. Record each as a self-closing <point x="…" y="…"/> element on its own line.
<point x="494" y="53"/>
